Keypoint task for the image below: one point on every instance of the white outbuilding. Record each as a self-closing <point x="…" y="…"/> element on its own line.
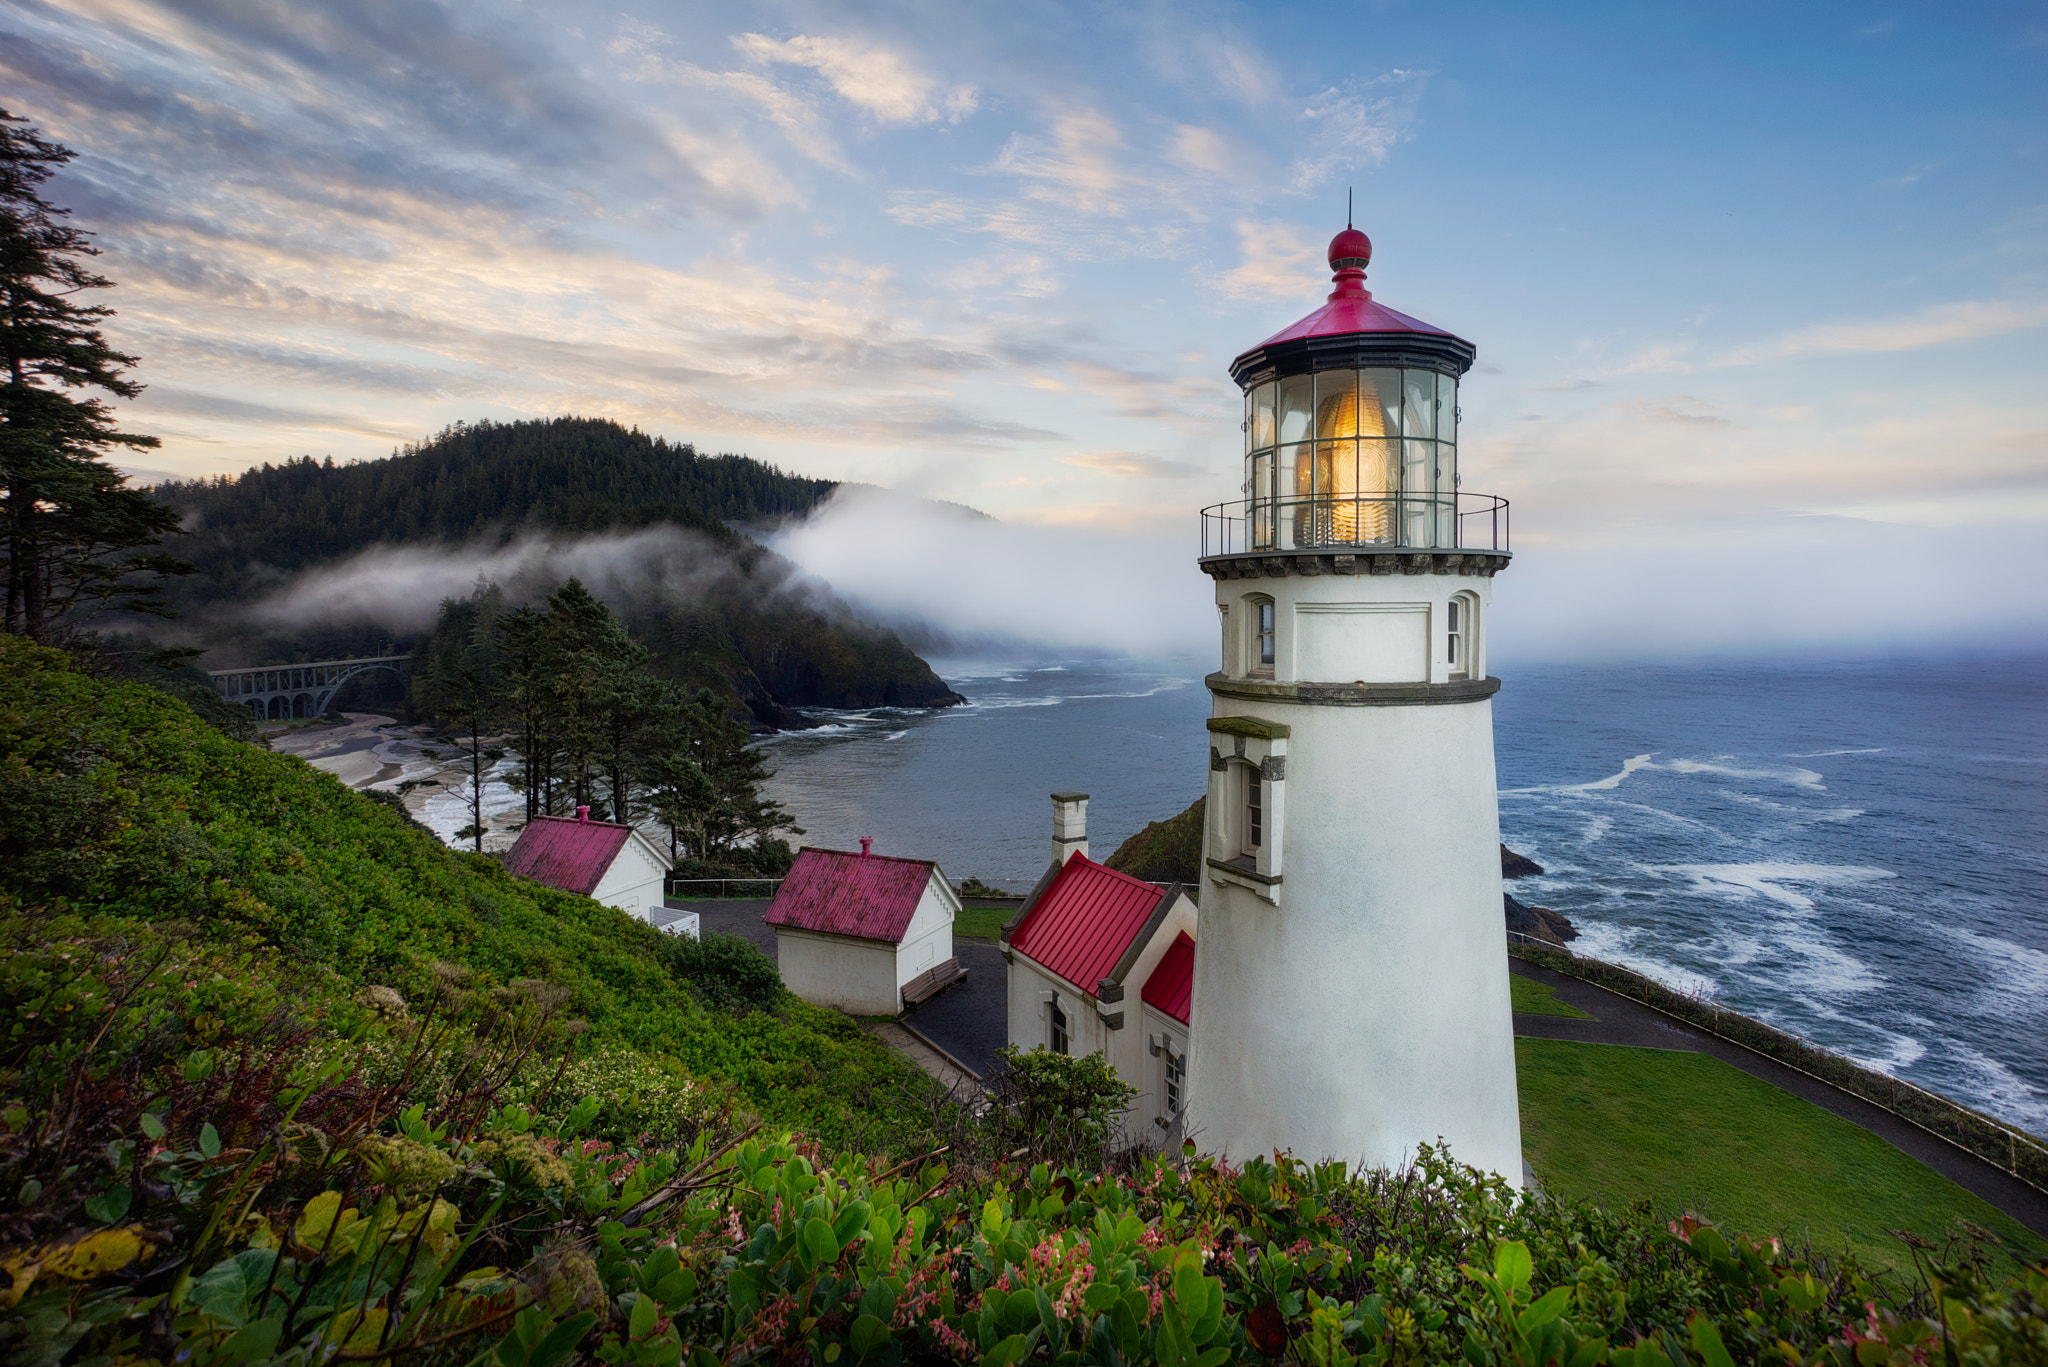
<point x="867" y="933"/>
<point x="607" y="860"/>
<point x="1101" y="962"/>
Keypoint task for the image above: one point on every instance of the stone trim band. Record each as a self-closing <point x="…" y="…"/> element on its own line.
<point x="1354" y="694"/>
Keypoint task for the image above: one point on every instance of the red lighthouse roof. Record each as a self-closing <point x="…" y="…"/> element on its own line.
<point x="1350" y="312"/>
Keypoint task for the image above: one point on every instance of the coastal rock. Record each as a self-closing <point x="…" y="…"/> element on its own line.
<point x="1168" y="851"/>
<point x="1538" y="923"/>
<point x="1514" y="865"/>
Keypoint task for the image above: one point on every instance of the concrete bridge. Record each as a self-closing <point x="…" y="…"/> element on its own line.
<point x="283" y="692"/>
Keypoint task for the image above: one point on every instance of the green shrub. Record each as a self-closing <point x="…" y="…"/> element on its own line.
<point x="726" y="969"/>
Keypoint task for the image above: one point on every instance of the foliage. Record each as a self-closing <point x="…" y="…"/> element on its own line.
<point x="1992" y="1140"/>
<point x="1168" y="851"/>
<point x="73" y="530"/>
<point x="727" y="969"/>
<point x="120" y="655"/>
<point x="118" y="799"/>
<point x="1055" y="1107"/>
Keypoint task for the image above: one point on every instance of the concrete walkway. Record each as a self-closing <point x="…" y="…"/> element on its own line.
<point x="1618" y="1020"/>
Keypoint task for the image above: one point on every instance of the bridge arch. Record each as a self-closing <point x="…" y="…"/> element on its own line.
<point x="288" y="692"/>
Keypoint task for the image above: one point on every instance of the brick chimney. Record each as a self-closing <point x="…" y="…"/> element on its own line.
<point x="1069" y="825"/>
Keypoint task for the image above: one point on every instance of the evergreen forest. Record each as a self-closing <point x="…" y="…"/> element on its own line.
<point x="717" y="609"/>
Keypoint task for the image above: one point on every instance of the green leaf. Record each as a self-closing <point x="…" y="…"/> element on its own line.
<point x="1043" y="1304"/>
<point x="852" y="1222"/>
<point x="641" y="1323"/>
<point x="561" y="1341"/>
<point x="110" y="1205"/>
<point x="151" y="1126"/>
<point x="819" y="1242"/>
<point x="1706" y="1341"/>
<point x="1545" y="1310"/>
<point x="1511" y="1267"/>
<point x="209" y="1140"/>
<point x="1019" y="1309"/>
<point x="1099" y="1297"/>
<point x="252" y="1342"/>
<point x="868" y="1333"/>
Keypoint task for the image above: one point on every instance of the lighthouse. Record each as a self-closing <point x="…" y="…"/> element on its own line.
<point x="1351" y="993"/>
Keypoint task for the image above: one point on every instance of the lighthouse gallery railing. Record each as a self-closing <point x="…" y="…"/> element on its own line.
<point x="1417" y="522"/>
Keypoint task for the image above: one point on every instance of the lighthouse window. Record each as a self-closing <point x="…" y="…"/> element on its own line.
<point x="1254" y="810"/>
<point x="1455" y="644"/>
<point x="1060" y="1040"/>
<point x="1266" y="635"/>
<point x="1176" y="1081"/>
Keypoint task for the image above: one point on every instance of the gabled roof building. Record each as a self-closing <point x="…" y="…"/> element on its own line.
<point x="864" y="932"/>
<point x="1101" y="961"/>
<point x="607" y="860"/>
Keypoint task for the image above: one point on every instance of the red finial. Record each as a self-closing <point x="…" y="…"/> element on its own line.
<point x="1350" y="254"/>
<point x="866" y="842"/>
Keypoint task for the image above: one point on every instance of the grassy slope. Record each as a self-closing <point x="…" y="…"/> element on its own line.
<point x="1689" y="1132"/>
<point x="117" y="801"/>
<point x="981" y="923"/>
<point x="1540" y="999"/>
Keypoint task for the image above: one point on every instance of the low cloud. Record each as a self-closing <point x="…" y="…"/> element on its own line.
<point x="949" y="579"/>
<point x="1278" y="262"/>
<point x="1131" y="465"/>
<point x="1937" y="325"/>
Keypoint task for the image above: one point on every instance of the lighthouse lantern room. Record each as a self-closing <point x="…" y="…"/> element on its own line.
<point x="1351" y="995"/>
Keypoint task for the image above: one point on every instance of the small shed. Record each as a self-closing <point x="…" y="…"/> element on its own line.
<point x="867" y="933"/>
<point x="1101" y="962"/>
<point x="607" y="860"/>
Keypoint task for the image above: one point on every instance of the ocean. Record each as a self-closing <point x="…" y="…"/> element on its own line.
<point x="1853" y="851"/>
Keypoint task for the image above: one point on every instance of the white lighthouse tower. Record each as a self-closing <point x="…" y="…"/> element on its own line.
<point x="1351" y="995"/>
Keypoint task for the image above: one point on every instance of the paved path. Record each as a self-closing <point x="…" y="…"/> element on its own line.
<point x="1617" y="1020"/>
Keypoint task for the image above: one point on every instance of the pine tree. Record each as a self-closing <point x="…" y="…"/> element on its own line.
<point x="70" y="524"/>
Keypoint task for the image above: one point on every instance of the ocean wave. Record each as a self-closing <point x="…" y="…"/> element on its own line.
<point x="1167" y="687"/>
<point x="1740" y="882"/>
<point x="998" y="704"/>
<point x="1825" y="754"/>
<point x="896" y="735"/>
<point x="1802" y="778"/>
<point x="1612" y="781"/>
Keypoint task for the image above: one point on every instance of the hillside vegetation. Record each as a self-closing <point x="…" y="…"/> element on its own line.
<point x="284" y="1081"/>
<point x="714" y="608"/>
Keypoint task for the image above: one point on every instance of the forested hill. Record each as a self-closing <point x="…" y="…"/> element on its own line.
<point x="750" y="627"/>
<point x="476" y="480"/>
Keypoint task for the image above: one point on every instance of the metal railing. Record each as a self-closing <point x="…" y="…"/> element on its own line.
<point x="1404" y="522"/>
<point x="2003" y="1146"/>
<point x="767" y="884"/>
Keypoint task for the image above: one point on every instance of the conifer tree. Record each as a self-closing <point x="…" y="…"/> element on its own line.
<point x="73" y="531"/>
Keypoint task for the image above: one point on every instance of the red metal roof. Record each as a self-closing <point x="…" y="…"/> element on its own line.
<point x="1350" y="307"/>
<point x="1171" y="987"/>
<point x="565" y="853"/>
<point x="1085" y="920"/>
<point x="869" y="897"/>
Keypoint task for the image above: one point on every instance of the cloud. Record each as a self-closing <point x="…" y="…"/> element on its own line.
<point x="1132" y="465"/>
<point x="1077" y="167"/>
<point x="867" y="74"/>
<point x="942" y="575"/>
<point x="1936" y="325"/>
<point x="1357" y="128"/>
<point x="1278" y="263"/>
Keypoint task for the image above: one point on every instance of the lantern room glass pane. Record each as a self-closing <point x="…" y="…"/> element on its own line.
<point x="1294" y="480"/>
<point x="1419" y="416"/>
<point x="1418" y="510"/>
<point x="1291" y="408"/>
<point x="1446" y="408"/>
<point x="1262" y="417"/>
<point x="1261" y="495"/>
<point x="1379" y="403"/>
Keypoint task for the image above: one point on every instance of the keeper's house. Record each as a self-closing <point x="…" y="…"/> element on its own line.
<point x="1100" y="961"/>
<point x="602" y="859"/>
<point x="867" y="933"/>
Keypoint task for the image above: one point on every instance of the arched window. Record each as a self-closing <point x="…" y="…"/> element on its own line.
<point x="1461" y="635"/>
<point x="1261" y="619"/>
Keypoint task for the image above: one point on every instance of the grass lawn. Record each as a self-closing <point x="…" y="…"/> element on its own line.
<point x="982" y="923"/>
<point x="1689" y="1132"/>
<point x="1540" y="999"/>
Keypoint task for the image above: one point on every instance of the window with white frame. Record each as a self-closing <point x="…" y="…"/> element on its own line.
<point x="1261" y="638"/>
<point x="1460" y="634"/>
<point x="1059" y="1041"/>
<point x="1176" y="1086"/>
<point x="1253" y="826"/>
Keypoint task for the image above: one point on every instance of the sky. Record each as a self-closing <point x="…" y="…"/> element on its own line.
<point x="1760" y="292"/>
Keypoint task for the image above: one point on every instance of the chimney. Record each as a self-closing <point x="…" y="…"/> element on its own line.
<point x="583" y="815"/>
<point x="866" y="843"/>
<point x="1069" y="825"/>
